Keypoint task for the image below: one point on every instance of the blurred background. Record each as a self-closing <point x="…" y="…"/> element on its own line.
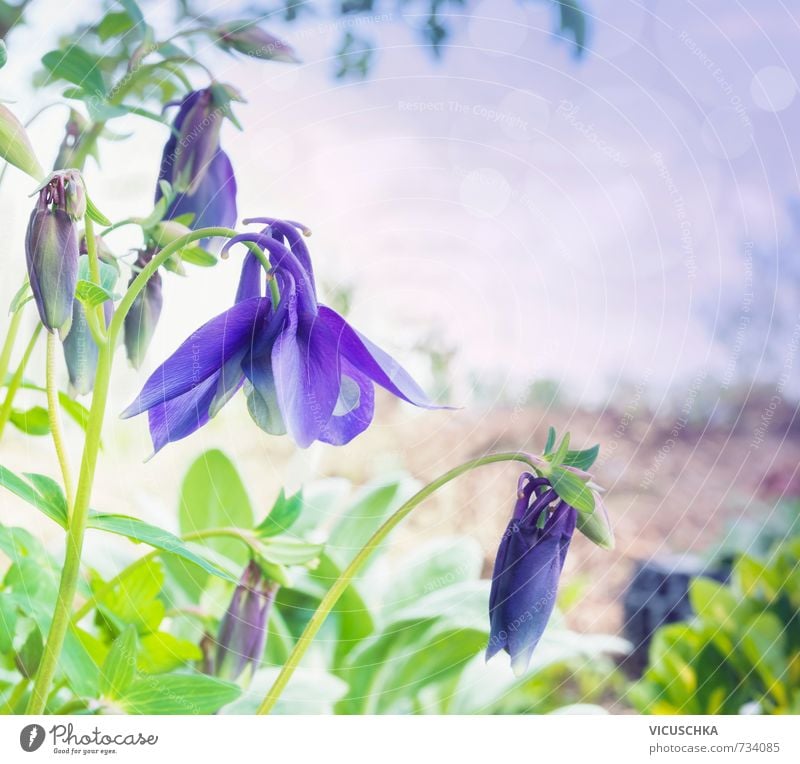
<point x="584" y="215"/>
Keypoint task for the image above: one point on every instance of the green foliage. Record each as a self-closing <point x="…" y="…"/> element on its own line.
<point x="741" y="651"/>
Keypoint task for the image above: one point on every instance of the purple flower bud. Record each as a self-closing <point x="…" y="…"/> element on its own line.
<point x="243" y="630"/>
<point x="51" y="249"/>
<point x="142" y="318"/>
<point x="527" y="569"/>
<point x="250" y="39"/>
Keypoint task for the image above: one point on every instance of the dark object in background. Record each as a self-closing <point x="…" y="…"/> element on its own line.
<point x="659" y="594"/>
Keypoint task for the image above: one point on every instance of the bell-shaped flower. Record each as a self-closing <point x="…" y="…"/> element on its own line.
<point x="308" y="372"/>
<point x="194" y="164"/>
<point x="527" y="570"/>
<point x="51" y="248"/>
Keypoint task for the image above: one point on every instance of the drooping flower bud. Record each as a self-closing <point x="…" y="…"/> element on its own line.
<point x="142" y="318"/>
<point x="15" y="147"/>
<point x="51" y="248"/>
<point x="248" y="38"/>
<point x="243" y="630"/>
<point x="194" y="164"/>
<point x="80" y="349"/>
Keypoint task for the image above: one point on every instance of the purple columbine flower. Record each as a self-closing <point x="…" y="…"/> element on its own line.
<point x="195" y="165"/>
<point x="527" y="570"/>
<point x="51" y="248"/>
<point x="243" y="629"/>
<point x="307" y="371"/>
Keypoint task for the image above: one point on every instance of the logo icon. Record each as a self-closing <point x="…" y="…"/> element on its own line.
<point x="31" y="737"/>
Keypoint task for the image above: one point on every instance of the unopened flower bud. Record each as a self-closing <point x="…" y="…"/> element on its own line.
<point x="142" y="318"/>
<point x="51" y="249"/>
<point x="250" y="39"/>
<point x="243" y="630"/>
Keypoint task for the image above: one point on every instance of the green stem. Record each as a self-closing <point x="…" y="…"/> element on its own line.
<point x="75" y="534"/>
<point x="54" y="417"/>
<point x="8" y="343"/>
<point x="348" y="574"/>
<point x="16" y="380"/>
<point x="15" y="697"/>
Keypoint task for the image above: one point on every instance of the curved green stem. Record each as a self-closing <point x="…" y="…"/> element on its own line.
<point x="16" y="380"/>
<point x="348" y="574"/>
<point x="54" y="417"/>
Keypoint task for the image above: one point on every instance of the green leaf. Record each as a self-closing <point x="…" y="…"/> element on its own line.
<point x="582" y="460"/>
<point x="161" y="652"/>
<point x="374" y="503"/>
<point x="572" y="490"/>
<point x="551" y="440"/>
<point x="212" y="496"/>
<point x="49" y="490"/>
<point x="561" y="452"/>
<point x="26" y="492"/>
<point x="288" y="551"/>
<point x="167" y="694"/>
<point x="78" y="67"/>
<point x="114" y="24"/>
<point x="8" y="622"/>
<point x="119" y="668"/>
<point x="95" y="214"/>
<point x="198" y="256"/>
<point x="34" y="421"/>
<point x="92" y="295"/>
<point x="282" y="516"/>
<point x="138" y="530"/>
<point x="135" y="600"/>
<point x="22" y="296"/>
<point x="29" y="657"/>
<point x="133" y="10"/>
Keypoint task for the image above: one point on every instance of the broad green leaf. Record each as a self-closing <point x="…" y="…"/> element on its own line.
<point x="561" y="452"/>
<point x="33" y="421"/>
<point x="282" y="516"/>
<point x="712" y="601"/>
<point x="572" y="490"/>
<point x="92" y="295"/>
<point x="138" y="530"/>
<point x="169" y="694"/>
<point x="78" y="67"/>
<point x="161" y="652"/>
<point x="198" y="256"/>
<point x="50" y="491"/>
<point x="372" y="506"/>
<point x="284" y="550"/>
<point x="135" y="601"/>
<point x="114" y="24"/>
<point x="212" y="496"/>
<point x="119" y="668"/>
<point x="27" y="492"/>
<point x="30" y="654"/>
